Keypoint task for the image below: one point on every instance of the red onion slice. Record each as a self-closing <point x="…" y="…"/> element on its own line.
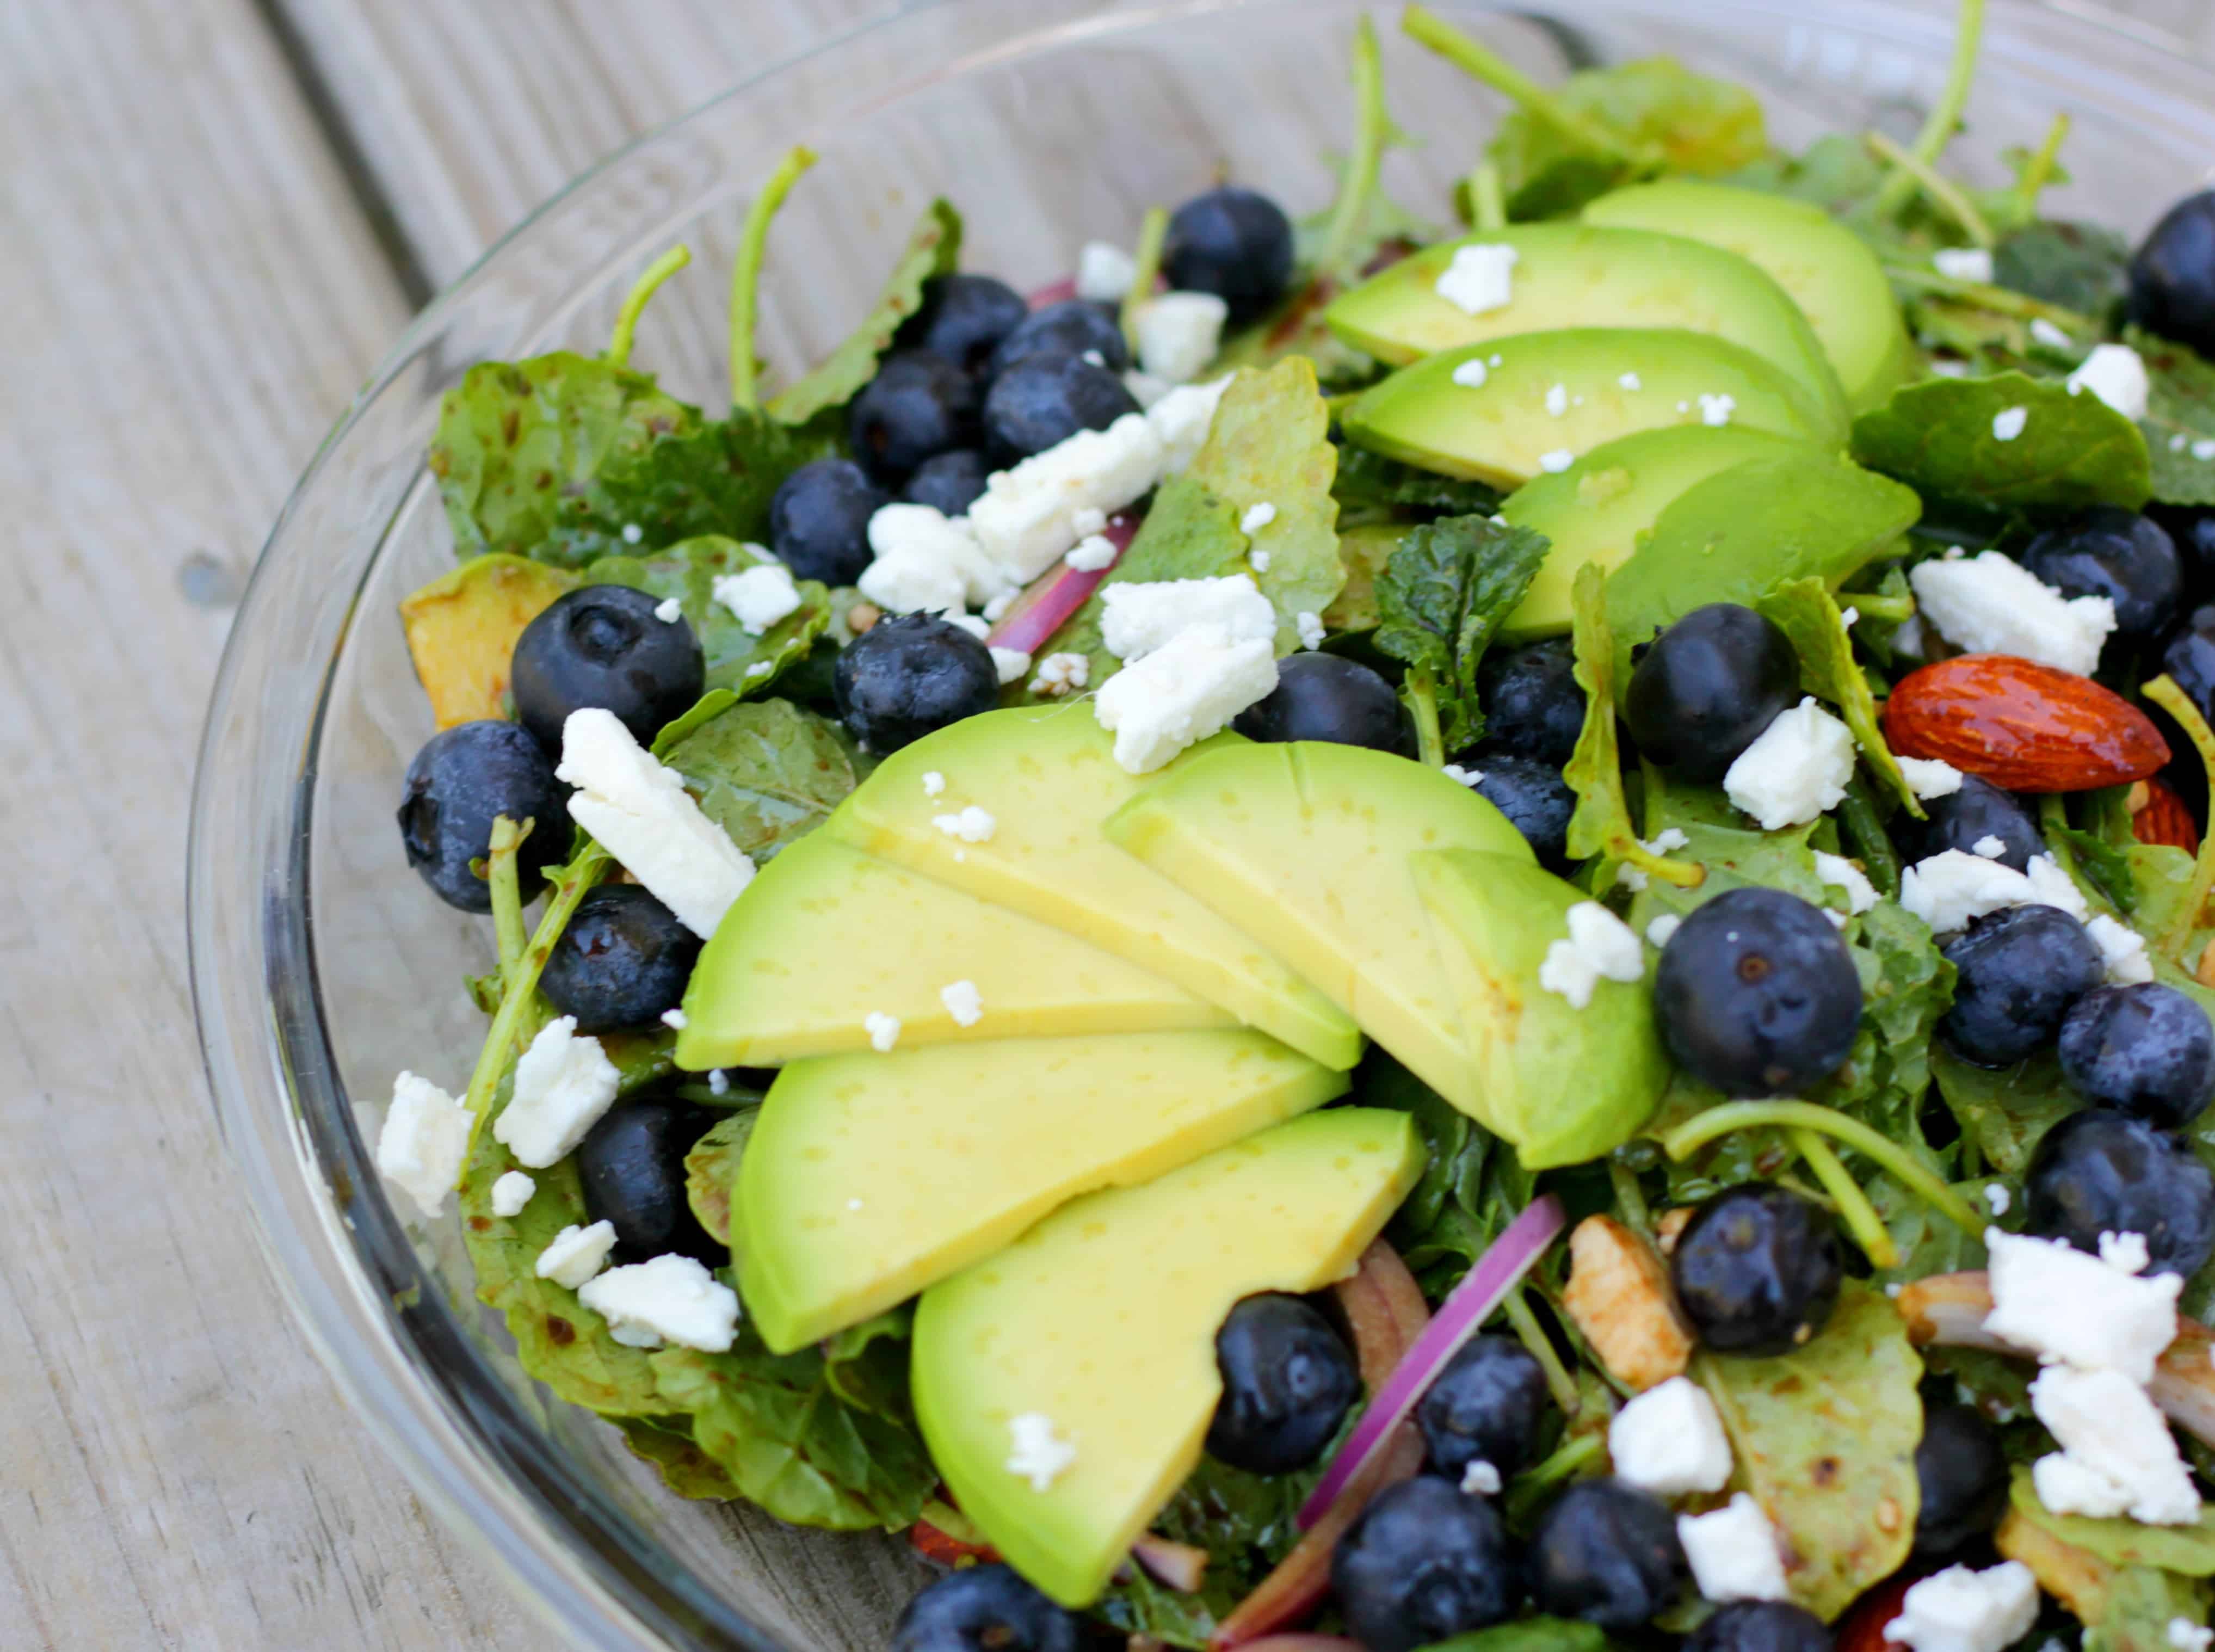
<point x="1044" y="607"/>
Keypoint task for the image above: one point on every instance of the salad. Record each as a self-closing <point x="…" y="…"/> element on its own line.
<point x="1360" y="934"/>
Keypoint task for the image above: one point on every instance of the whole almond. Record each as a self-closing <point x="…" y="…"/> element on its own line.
<point x="2164" y="819"/>
<point x="2022" y="726"/>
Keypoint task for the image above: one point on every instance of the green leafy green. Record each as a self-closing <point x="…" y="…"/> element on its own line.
<point x="1805" y="611"/>
<point x="1365" y="550"/>
<point x="737" y="659"/>
<point x="1601" y="824"/>
<point x="2140" y="1602"/>
<point x="1673" y="120"/>
<point x="934" y="248"/>
<point x="667" y="1443"/>
<point x="1368" y="482"/>
<point x="2079" y="267"/>
<point x="2186" y="1549"/>
<point x="2179" y="422"/>
<point x="2003" y="1113"/>
<point x="766" y="771"/>
<point x="2106" y="865"/>
<point x="1835" y="173"/>
<point x="1443" y="596"/>
<point x="1449" y="1220"/>
<point x="1939" y="437"/>
<point x="866" y="1363"/>
<point x="1530" y="1634"/>
<point x="711" y="1170"/>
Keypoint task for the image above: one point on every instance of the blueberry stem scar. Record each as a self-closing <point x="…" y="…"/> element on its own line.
<point x="634" y="301"/>
<point x="1698" y="1132"/>
<point x="2165" y="693"/>
<point x="745" y="273"/>
<point x="1943" y="121"/>
<point x="1861" y="1218"/>
<point x="1466" y="54"/>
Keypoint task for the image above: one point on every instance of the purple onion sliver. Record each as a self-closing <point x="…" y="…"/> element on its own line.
<point x="1059" y="593"/>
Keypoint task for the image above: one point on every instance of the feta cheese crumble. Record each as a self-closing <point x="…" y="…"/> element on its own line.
<point x="963" y="1003"/>
<point x="1997" y="1198"/>
<point x="2117" y="1455"/>
<point x="1259" y="560"/>
<point x="1480" y="1479"/>
<point x="2009" y="423"/>
<point x="1631" y="382"/>
<point x="1104" y="273"/>
<point x="1842" y="874"/>
<point x="1183" y="691"/>
<point x="2127" y="1252"/>
<point x="1989" y="847"/>
<point x="934" y="783"/>
<point x="1182" y="418"/>
<point x="1557" y="401"/>
<point x="2052" y="1300"/>
<point x="1257" y="517"/>
<point x="425" y="1138"/>
<point x="2117" y="375"/>
<point x="1093" y="552"/>
<point x="669" y="611"/>
<point x="511" y="1193"/>
<point x="1560" y="459"/>
<point x="2122" y="948"/>
<point x="1795" y="769"/>
<point x="1929" y="778"/>
<point x="575" y="1254"/>
<point x="2187" y="1637"/>
<point x="929" y="563"/>
<point x="1471" y="374"/>
<point x="1013" y="664"/>
<point x="564" y="1085"/>
<point x="675" y="1020"/>
<point x="1141" y="617"/>
<point x="2044" y="332"/>
<point x="884" y="1031"/>
<point x="672" y="1298"/>
<point x="1310" y="627"/>
<point x="632" y="533"/>
<point x="1600" y="946"/>
<point x="1466" y="776"/>
<point x="1964" y="264"/>
<point x="760" y="597"/>
<point x="1658" y="931"/>
<point x="1062" y="674"/>
<point x="1717" y="409"/>
<point x="1024" y="518"/>
<point x="972" y="824"/>
<point x="1734" y="1552"/>
<point x="1480" y="278"/>
<point x="1669" y="1440"/>
<point x="1959" y="1610"/>
<point x="1178" y="333"/>
<point x="1145" y="388"/>
<point x="1991" y="604"/>
<point x="1951" y="889"/>
<point x="1035" y="1454"/>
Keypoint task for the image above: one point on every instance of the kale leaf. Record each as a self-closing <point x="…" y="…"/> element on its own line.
<point x="933" y="249"/>
<point x="2179" y="422"/>
<point x="1945" y="439"/>
<point x="737" y="659"/>
<point x="1807" y="614"/>
<point x="764" y="771"/>
<point x="667" y="1443"/>
<point x="2079" y="267"/>
<point x="1441" y="599"/>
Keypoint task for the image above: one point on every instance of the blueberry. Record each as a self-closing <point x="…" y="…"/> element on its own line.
<point x="632" y="1165"/>
<point x="963" y="318"/>
<point x="1708" y="687"/>
<point x="1965" y="817"/>
<point x="1067" y="329"/>
<point x="948" y="483"/>
<point x="1484" y="1408"/>
<point x="819" y="520"/>
<point x="909" y="677"/>
<point x="462" y="780"/>
<point x="1234" y="243"/>
<point x="985" y="1609"/>
<point x="1757" y="995"/>
<point x="1532" y="705"/>
<point x="1964" y="1477"/>
<point x="1424" y="1562"/>
<point x="1760" y="1626"/>
<point x="2146" y="1050"/>
<point x="1607" y="1554"/>
<point x="604" y="645"/>
<point x="1288" y="1380"/>
<point x="2099" y="1172"/>
<point x="1532" y="794"/>
<point x="2192" y="530"/>
<point x="1758" y="1270"/>
<point x="2173" y="276"/>
<point x="623" y="960"/>
<point x="2016" y="973"/>
<point x="919" y="405"/>
<point x="1322" y="697"/>
<point x="2127" y="558"/>
<point x="1043" y="401"/>
<point x="2190" y="659"/>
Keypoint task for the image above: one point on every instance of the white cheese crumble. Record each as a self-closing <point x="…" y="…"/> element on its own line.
<point x="2126" y="1251"/>
<point x="1466" y="776"/>
<point x="1965" y="264"/>
<point x="972" y="824"/>
<point x="884" y="1031"/>
<point x="1062" y="674"/>
<point x="2117" y="1455"/>
<point x="2045" y="332"/>
<point x="1093" y="552"/>
<point x="672" y="1298"/>
<point x="962" y="1002"/>
<point x="2122" y="948"/>
<point x="1554" y="463"/>
<point x="1991" y="604"/>
<point x="1259" y="560"/>
<point x="564" y="1085"/>
<point x="669" y="611"/>
<point x="1178" y="333"/>
<point x="1013" y="664"/>
<point x="1717" y="409"/>
<point x="1959" y="1609"/>
<point x="1257" y="517"/>
<point x="934" y="783"/>
<point x="1734" y="1552"/>
<point x="510" y="1192"/>
<point x="1631" y="382"/>
<point x="760" y="595"/>
<point x="2009" y="423"/>
<point x="1181" y="693"/>
<point x="425" y="1138"/>
<point x="1929" y="778"/>
<point x="632" y="533"/>
<point x="1600" y="946"/>
<point x="1480" y="278"/>
<point x="575" y="1254"/>
<point x="1849" y="616"/>
<point x="1140" y="618"/>
<point x="2052" y="1300"/>
<point x="972" y="624"/>
<point x="1950" y="889"/>
<point x="719" y="1082"/>
<point x="2187" y="1637"/>
<point x="1471" y="374"/>
<point x="1798" y="767"/>
<point x="1024" y="518"/>
<point x="1309" y="626"/>
<point x="1181" y="417"/>
<point x="2204" y="450"/>
<point x="1557" y="401"/>
<point x="1480" y="1479"/>
<point x="675" y="1020"/>
<point x="1086" y="523"/>
<point x="1842" y="874"/>
<point x="1658" y="931"/>
<point x="1104" y="273"/>
<point x="643" y="815"/>
<point x="1989" y="847"/>
<point x="1035" y="1454"/>
<point x="2117" y="375"/>
<point x="1670" y="1440"/>
<point x="1997" y="1198"/>
<point x="1145" y="388"/>
<point x="927" y="562"/>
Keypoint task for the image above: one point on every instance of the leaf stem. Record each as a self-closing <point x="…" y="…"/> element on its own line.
<point x="635" y="301"/>
<point x="1146" y="260"/>
<point x="1465" y="53"/>
<point x="2040" y="173"/>
<point x="1422" y="694"/>
<point x="1532" y="1335"/>
<point x="1629" y="1197"/>
<point x="1983" y="295"/>
<point x="745" y="273"/>
<point x="1530" y="1487"/>
<point x="1487" y="207"/>
<point x="503" y="873"/>
<point x="1862" y="1219"/>
<point x="1943" y="121"/>
<point x="1944" y="193"/>
<point x="2165" y="693"/>
<point x="1702" y="1129"/>
<point x="1357" y="180"/>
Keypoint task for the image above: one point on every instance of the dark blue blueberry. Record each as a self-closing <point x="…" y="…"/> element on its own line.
<point x="632" y="1166"/>
<point x="1484" y="1408"/>
<point x="2192" y="530"/>
<point x="1607" y="1554"/>
<point x="623" y="960"/>
<point x="2127" y="558"/>
<point x="2016" y="973"/>
<point x="1708" y="687"/>
<point x="1043" y="401"/>
<point x="2145" y="1050"/>
<point x="1534" y="797"/>
<point x="2173" y="276"/>
<point x="963" y="318"/>
<point x="462" y="779"/>
<point x="909" y="677"/>
<point x="604" y="645"/>
<point x="1965" y="817"/>
<point x="1964" y="1476"/>
<point x="1322" y="697"/>
<point x="1234" y="243"/>
<point x="919" y="405"/>
<point x="1757" y="995"/>
<point x="1758" y="1270"/>
<point x="1760" y="1626"/>
<point x="2099" y="1172"/>
<point x="985" y="1609"/>
<point x="1067" y="329"/>
<point x="819" y="521"/>
<point x="1424" y="1562"/>
<point x="1288" y="1380"/>
<point x="950" y="483"/>
<point x="1532" y="705"/>
<point x="2190" y="659"/>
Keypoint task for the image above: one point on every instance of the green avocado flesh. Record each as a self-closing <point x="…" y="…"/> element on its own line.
<point x="803" y="960"/>
<point x="1099" y="1325"/>
<point x="1830" y="271"/>
<point x="1564" y="1084"/>
<point x="1601" y="508"/>
<point x="869" y="1177"/>
<point x="1304" y="847"/>
<point x="1742" y="532"/>
<point x="1048" y="776"/>
<point x="1547" y="395"/>
<point x="1582" y="275"/>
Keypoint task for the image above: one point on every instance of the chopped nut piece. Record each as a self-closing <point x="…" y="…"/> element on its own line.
<point x="861" y="615"/>
<point x="1620" y="1297"/>
<point x="1669" y="1224"/>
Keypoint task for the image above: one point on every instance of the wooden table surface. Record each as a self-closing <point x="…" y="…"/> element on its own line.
<point x="214" y="216"/>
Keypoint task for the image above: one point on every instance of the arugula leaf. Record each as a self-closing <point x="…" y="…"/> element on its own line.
<point x="1365" y="551"/>
<point x="1601" y="824"/>
<point x="1678" y="121"/>
<point x="711" y="1170"/>
<point x="1806" y="612"/>
<point x="2073" y="450"/>
<point x="2105" y="865"/>
<point x="2179" y="422"/>
<point x="2140" y="1602"/>
<point x="737" y="659"/>
<point x="2003" y="1113"/>
<point x="667" y="1443"/>
<point x="2186" y="1549"/>
<point x="765" y="772"/>
<point x="1562" y="189"/>
<point x="1443" y="596"/>
<point x="2080" y="266"/>
<point x="1530" y="1634"/>
<point x="1367" y="480"/>
<point x="1448" y="1220"/>
<point x="517" y="441"/>
<point x="866" y="1363"/>
<point x="933" y="248"/>
<point x="1824" y="1438"/>
<point x="1834" y="173"/>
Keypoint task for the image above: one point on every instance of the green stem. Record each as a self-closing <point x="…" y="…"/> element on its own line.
<point x="1487" y="207"/>
<point x="1532" y="1334"/>
<point x="1535" y="1485"/>
<point x="1629" y="1197"/>
<point x="1945" y="117"/>
<point x="2040" y="172"/>
<point x="1422" y="696"/>
<point x="1481" y="61"/>
<point x="745" y="273"/>
<point x="634" y="301"/>
<point x="1358" y="182"/>
<point x="1860" y="1216"/>
<point x="2165" y="693"/>
<point x="1871" y="843"/>
<point x="1916" y="171"/>
<point x="505" y="878"/>
<point x="1698" y="1131"/>
<point x="1153" y="232"/>
<point x="1984" y="296"/>
<point x="1873" y="604"/>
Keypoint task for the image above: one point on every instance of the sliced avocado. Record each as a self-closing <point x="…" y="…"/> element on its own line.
<point x="1601" y="508"/>
<point x="869" y="1177"/>
<point x="1831" y="272"/>
<point x="1581" y="275"/>
<point x="462" y="629"/>
<point x="1550" y="394"/>
<point x="1097" y="1328"/>
<point x="1564" y="1084"/>
<point x="1046" y="776"/>
<point x="800" y="963"/>
<point x="1304" y="847"/>
<point x="1745" y="531"/>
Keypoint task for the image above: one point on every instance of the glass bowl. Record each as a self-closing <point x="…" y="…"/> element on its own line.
<point x="320" y="967"/>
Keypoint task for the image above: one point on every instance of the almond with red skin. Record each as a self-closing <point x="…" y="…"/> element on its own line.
<point x="2164" y="819"/>
<point x="1862" y="1629"/>
<point x="2024" y="727"/>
